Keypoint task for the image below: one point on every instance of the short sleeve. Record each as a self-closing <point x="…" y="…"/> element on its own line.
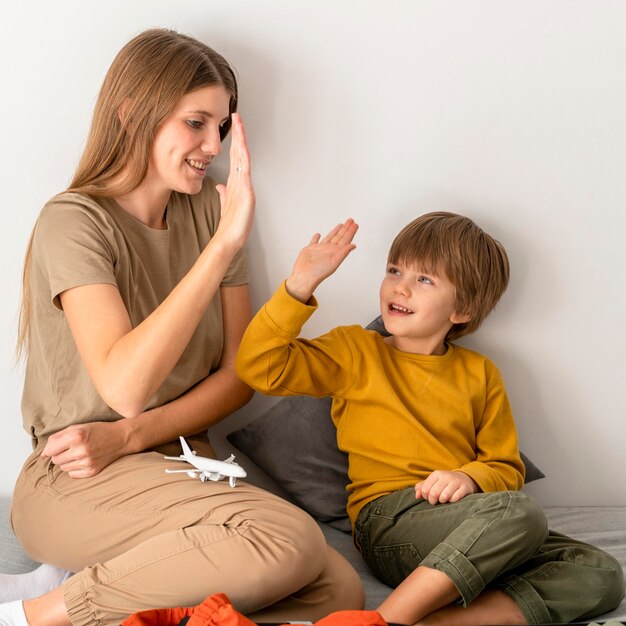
<point x="237" y="272"/>
<point x="70" y="249"/>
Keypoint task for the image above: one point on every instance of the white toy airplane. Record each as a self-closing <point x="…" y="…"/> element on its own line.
<point x="207" y="469"/>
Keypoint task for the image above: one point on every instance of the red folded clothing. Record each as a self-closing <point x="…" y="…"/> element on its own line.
<point x="217" y="610"/>
<point x="353" y="618"/>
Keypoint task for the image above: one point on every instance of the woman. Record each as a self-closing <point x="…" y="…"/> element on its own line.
<point x="135" y="299"/>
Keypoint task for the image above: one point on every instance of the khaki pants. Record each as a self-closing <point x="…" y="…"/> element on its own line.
<point x="140" y="538"/>
<point x="496" y="539"/>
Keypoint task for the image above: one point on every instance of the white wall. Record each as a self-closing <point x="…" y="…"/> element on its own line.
<point x="511" y="112"/>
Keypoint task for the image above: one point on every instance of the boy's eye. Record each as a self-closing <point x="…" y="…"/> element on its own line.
<point x="194" y="123"/>
<point x="393" y="270"/>
<point x="425" y="280"/>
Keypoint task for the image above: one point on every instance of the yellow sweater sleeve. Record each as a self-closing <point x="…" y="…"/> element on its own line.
<point x="272" y="360"/>
<point x="498" y="466"/>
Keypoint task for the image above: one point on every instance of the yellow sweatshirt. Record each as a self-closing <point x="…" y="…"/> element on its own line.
<point x="398" y="415"/>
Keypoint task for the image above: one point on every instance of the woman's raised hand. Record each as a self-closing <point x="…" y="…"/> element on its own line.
<point x="237" y="196"/>
<point x="320" y="259"/>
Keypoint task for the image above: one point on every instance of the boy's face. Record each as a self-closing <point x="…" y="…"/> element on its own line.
<point x="418" y="308"/>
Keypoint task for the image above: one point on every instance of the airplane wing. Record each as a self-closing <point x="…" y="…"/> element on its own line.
<point x="207" y="468"/>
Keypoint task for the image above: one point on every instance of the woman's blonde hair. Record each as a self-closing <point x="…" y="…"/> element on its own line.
<point x="148" y="77"/>
<point x="473" y="261"/>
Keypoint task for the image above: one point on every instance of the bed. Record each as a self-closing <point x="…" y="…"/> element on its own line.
<point x="301" y="462"/>
<point x="601" y="526"/>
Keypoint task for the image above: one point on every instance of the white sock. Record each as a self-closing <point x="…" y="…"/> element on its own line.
<point x="12" y="614"/>
<point x="31" y="585"/>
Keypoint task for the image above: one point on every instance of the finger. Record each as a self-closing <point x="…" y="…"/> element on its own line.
<point x="331" y="234"/>
<point x="349" y="232"/>
<point x="462" y="491"/>
<point x="221" y="190"/>
<point x="459" y="494"/>
<point x="418" y="491"/>
<point x="239" y="153"/>
<point x="235" y="139"/>
<point x="425" y="489"/>
<point x="315" y="239"/>
<point x="67" y="454"/>
<point x="426" y="485"/>
<point x="70" y="466"/>
<point x="55" y="447"/>
<point x="339" y="232"/>
<point x="63" y="459"/>
<point x="343" y="252"/>
<point x="82" y="473"/>
<point x="435" y="493"/>
<point x="447" y="492"/>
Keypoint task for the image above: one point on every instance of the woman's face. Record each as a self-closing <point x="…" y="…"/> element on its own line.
<point x="188" y="139"/>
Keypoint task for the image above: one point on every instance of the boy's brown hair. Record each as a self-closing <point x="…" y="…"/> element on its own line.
<point x="473" y="261"/>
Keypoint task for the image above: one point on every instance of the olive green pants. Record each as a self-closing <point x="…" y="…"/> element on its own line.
<point x="500" y="540"/>
<point x="139" y="539"/>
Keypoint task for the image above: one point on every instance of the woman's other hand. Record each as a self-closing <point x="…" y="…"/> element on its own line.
<point x="320" y="259"/>
<point x="84" y="450"/>
<point x="237" y="197"/>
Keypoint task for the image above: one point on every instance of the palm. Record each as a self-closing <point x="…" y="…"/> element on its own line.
<point x="320" y="259"/>
<point x="323" y="256"/>
<point x="237" y="197"/>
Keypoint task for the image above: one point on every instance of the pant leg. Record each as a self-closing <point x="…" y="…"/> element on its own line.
<point x="140" y="538"/>
<point x="472" y="541"/>
<point x="338" y="580"/>
<point x="565" y="580"/>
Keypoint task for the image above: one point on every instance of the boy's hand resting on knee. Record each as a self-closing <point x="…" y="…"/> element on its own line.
<point x="444" y="486"/>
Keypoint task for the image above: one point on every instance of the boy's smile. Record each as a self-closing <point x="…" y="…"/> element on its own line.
<point x="418" y="309"/>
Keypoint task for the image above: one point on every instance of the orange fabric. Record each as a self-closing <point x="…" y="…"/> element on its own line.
<point x="216" y="610"/>
<point x="353" y="618"/>
<point x="155" y="617"/>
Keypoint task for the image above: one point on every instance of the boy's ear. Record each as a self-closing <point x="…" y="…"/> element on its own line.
<point x="460" y="318"/>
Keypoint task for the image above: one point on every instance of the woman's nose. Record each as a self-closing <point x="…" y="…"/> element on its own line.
<point x="211" y="143"/>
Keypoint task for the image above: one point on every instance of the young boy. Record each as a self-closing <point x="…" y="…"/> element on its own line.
<point x="434" y="465"/>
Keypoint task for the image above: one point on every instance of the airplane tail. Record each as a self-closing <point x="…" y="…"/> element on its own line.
<point x="186" y="449"/>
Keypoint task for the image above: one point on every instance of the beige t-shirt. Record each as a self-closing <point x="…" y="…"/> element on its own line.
<point x="79" y="240"/>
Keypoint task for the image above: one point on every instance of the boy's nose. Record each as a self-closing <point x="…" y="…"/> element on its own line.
<point x="402" y="287"/>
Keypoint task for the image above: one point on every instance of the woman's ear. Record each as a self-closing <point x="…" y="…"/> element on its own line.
<point x="122" y="112"/>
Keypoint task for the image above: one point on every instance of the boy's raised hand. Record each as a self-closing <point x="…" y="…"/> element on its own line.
<point x="445" y="486"/>
<point x="320" y="259"/>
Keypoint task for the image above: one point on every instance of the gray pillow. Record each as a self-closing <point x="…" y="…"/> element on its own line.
<point x="13" y="559"/>
<point x="294" y="443"/>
